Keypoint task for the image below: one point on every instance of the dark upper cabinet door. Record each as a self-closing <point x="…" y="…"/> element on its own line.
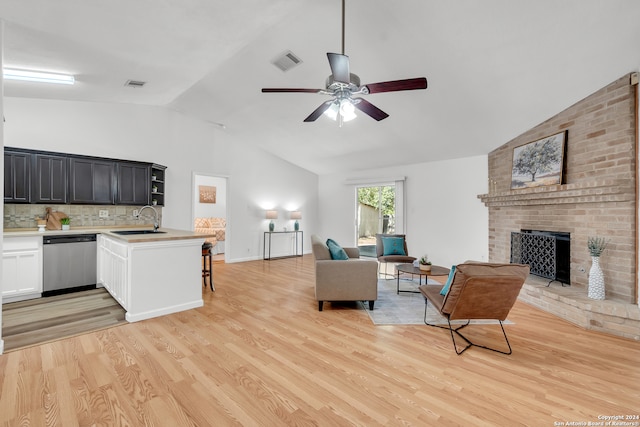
<point x="133" y="183"/>
<point x="50" y="179"/>
<point x="91" y="181"/>
<point x="17" y="177"/>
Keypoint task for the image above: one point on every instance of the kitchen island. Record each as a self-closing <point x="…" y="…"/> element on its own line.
<point x="149" y="274"/>
<point x="153" y="274"/>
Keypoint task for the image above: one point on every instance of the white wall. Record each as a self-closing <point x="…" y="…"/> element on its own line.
<point x="184" y="145"/>
<point x="1" y="168"/>
<point x="130" y="132"/>
<point x="445" y="219"/>
<point x="259" y="181"/>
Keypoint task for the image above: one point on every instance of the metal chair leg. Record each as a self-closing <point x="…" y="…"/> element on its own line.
<point x="386" y="274"/>
<point x="453" y="330"/>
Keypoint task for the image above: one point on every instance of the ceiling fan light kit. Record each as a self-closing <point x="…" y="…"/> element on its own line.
<point x="342" y="85"/>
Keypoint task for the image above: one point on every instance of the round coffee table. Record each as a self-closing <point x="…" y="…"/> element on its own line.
<point x="436" y="270"/>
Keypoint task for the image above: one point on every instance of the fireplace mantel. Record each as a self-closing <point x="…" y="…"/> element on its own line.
<point x="604" y="190"/>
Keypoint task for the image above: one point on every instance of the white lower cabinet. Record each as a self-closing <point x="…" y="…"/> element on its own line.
<point x="151" y="278"/>
<point x="113" y="259"/>
<point x="21" y="268"/>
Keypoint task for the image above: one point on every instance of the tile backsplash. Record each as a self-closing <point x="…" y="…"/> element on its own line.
<point x="24" y="215"/>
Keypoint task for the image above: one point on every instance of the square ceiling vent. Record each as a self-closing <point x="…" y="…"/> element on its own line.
<point x="286" y="61"/>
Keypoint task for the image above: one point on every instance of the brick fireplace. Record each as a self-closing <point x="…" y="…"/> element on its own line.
<point x="597" y="198"/>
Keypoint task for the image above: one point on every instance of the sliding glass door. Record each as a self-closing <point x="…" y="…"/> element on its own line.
<point x="375" y="213"/>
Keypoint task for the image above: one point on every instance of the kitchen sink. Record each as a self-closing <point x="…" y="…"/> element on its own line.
<point x="131" y="232"/>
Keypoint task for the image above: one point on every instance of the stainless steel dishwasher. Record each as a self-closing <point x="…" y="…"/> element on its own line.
<point x="69" y="263"/>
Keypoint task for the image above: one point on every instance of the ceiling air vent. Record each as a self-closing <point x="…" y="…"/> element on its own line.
<point x="286" y="61"/>
<point x="134" y="83"/>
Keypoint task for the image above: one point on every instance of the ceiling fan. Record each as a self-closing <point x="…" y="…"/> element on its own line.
<point x="342" y="85"/>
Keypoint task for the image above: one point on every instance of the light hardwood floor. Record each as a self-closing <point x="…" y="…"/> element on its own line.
<point x="260" y="354"/>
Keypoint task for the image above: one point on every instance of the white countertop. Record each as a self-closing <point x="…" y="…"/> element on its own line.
<point x="169" y="233"/>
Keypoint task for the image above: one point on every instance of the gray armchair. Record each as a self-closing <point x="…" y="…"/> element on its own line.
<point x="353" y="279"/>
<point x="394" y="258"/>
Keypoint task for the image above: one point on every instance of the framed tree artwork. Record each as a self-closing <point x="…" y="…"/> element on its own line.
<point x="539" y="162"/>
<point x="207" y="194"/>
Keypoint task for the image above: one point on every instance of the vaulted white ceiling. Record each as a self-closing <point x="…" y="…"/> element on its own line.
<point x="495" y="68"/>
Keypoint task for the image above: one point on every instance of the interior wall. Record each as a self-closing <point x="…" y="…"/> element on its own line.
<point x="257" y="182"/>
<point x="130" y="132"/>
<point x="1" y="167"/>
<point x="444" y="217"/>
<point x="184" y="145"/>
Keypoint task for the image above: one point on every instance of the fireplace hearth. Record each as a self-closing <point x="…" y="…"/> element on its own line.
<point x="548" y="253"/>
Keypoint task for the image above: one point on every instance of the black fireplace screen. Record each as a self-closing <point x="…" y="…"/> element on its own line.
<point x="546" y="252"/>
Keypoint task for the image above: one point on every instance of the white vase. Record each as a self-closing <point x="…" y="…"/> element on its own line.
<point x="596" y="279"/>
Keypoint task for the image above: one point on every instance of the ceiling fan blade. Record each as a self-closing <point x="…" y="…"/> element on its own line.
<point x="370" y="109"/>
<point x="287" y="90"/>
<point x="318" y="111"/>
<point x="339" y="67"/>
<point x="398" y="85"/>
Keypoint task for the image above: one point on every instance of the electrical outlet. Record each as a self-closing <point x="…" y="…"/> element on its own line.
<point x="136" y="213"/>
<point x="103" y="213"/>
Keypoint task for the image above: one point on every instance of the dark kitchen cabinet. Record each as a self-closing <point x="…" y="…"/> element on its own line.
<point x="50" y="182"/>
<point x="157" y="184"/>
<point x="35" y="176"/>
<point x="17" y="177"/>
<point x="133" y="183"/>
<point x="92" y="181"/>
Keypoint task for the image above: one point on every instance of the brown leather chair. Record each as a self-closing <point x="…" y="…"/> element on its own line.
<point x="399" y="259"/>
<point x="477" y="291"/>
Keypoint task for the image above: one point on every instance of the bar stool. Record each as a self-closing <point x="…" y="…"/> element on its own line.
<point x="206" y="259"/>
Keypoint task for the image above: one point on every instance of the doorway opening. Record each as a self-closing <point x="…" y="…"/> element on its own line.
<point x="210" y="212"/>
<point x="375" y="213"/>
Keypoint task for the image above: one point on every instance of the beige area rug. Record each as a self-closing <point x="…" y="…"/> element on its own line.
<point x="407" y="308"/>
<point x="401" y="309"/>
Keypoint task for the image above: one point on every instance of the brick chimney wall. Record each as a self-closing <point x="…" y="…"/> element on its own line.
<point x="597" y="197"/>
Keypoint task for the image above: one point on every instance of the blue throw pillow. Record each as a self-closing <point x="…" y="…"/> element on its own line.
<point x="447" y="284"/>
<point x="393" y="246"/>
<point x="336" y="250"/>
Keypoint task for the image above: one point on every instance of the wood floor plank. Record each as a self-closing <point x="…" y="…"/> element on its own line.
<point x="37" y="321"/>
<point x="260" y="353"/>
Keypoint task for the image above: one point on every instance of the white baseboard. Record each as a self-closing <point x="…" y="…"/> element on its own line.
<point x="136" y="317"/>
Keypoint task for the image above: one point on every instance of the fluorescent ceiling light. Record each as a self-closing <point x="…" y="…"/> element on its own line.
<point x="38" y="76"/>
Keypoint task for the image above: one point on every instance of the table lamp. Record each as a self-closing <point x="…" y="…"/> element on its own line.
<point x="272" y="215"/>
<point x="296" y="215"/>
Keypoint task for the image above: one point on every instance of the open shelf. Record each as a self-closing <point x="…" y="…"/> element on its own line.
<point x="157" y="184"/>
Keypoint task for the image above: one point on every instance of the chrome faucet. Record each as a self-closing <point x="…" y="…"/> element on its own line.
<point x="156" y="223"/>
